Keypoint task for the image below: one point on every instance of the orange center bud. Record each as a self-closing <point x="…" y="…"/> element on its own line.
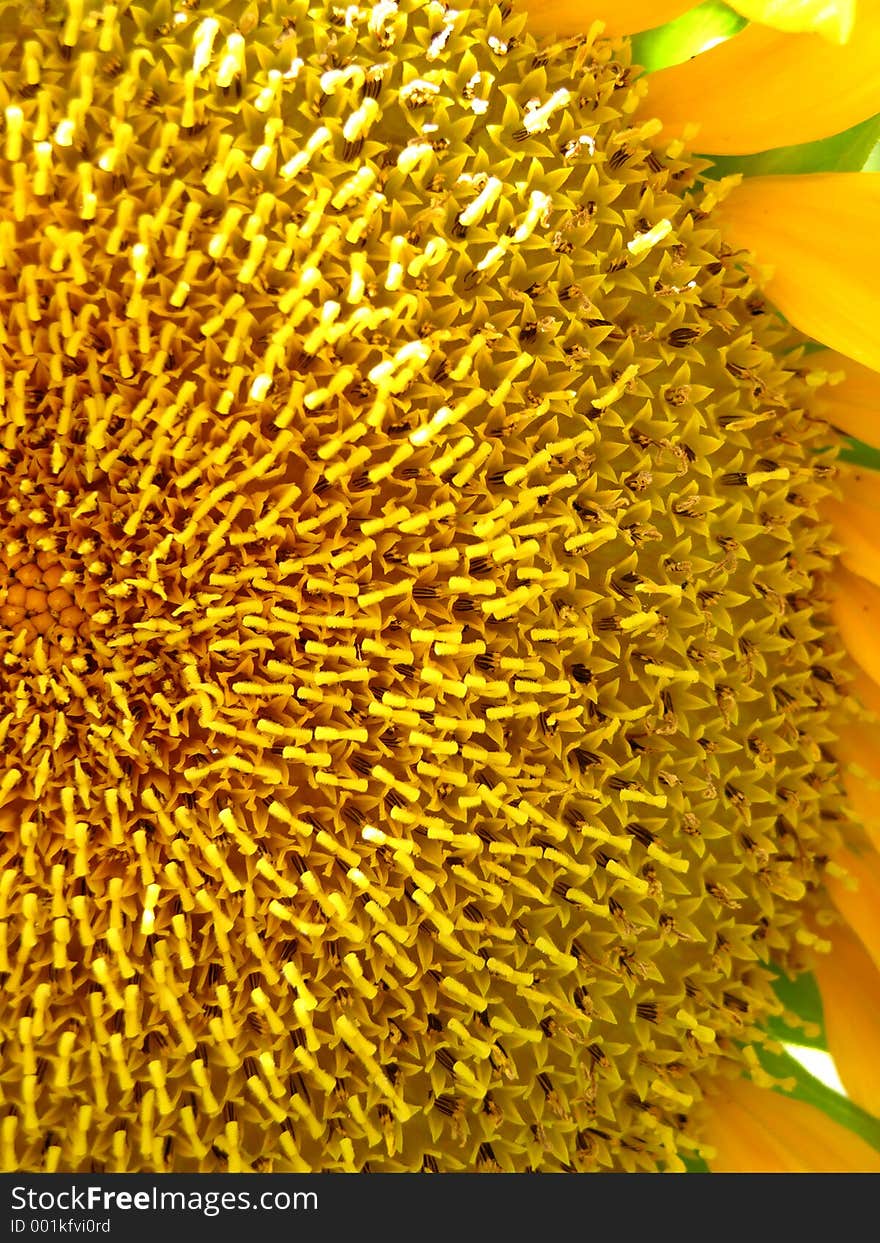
<point x="34" y="598"/>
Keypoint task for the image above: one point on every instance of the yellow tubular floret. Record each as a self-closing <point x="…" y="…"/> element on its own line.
<point x="748" y="93"/>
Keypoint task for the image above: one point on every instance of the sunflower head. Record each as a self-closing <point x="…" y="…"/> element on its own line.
<point x="419" y="689"/>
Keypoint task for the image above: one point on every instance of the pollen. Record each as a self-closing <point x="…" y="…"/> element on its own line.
<point x="415" y="683"/>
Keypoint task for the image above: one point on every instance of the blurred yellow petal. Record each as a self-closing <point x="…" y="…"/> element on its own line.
<point x="740" y="1142"/>
<point x="756" y="1130"/>
<point x="857" y="897"/>
<point x="856" y="611"/>
<point x="865" y="691"/>
<point x="621" y="17"/>
<point x="816" y="237"/>
<point x="833" y="19"/>
<point x="860" y="484"/>
<point x="764" y="88"/>
<point x="858" y="754"/>
<point x="863" y="799"/>
<point x="860" y="745"/>
<point x="853" y="404"/>
<point x="857" y="529"/>
<point x="850" y="987"/>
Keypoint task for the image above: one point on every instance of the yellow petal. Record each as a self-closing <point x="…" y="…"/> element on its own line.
<point x="865" y="691"/>
<point x="852" y="404"/>
<point x="857" y="530"/>
<point x="855" y="608"/>
<point x="833" y="19"/>
<point x="764" y="88"/>
<point x="757" y="1130"/>
<point x="858" y="896"/>
<point x="858" y="750"/>
<point x="863" y="800"/>
<point x="741" y="1144"/>
<point x="621" y="17"/>
<point x="859" y="484"/>
<point x="816" y="236"/>
<point x="850" y="987"/>
<point x="859" y="745"/>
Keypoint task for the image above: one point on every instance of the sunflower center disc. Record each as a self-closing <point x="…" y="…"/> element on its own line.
<point x="447" y="552"/>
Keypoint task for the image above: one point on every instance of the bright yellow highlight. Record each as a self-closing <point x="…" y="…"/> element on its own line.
<point x="833" y="19"/>
<point x="754" y="90"/>
<point x="815" y="239"/>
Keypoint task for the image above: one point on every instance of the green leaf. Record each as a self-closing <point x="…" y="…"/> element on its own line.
<point x="831" y="1103"/>
<point x="860" y="454"/>
<point x="696" y="1165"/>
<point x="686" y="36"/>
<point x="847" y="152"/>
<point x="801" y="996"/>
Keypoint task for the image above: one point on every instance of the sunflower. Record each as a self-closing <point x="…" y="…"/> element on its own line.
<point x="440" y="704"/>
